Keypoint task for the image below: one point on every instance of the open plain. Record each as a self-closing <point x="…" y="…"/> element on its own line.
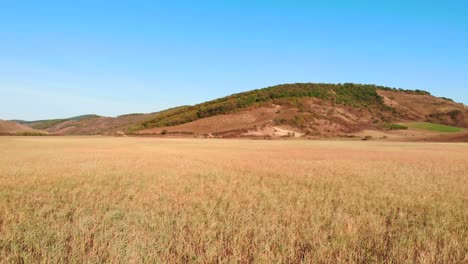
<point x="148" y="200"/>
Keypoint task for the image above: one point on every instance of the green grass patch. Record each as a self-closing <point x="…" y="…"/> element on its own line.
<point x="435" y="127"/>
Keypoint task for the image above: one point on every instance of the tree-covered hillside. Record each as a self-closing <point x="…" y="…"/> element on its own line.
<point x="356" y="95"/>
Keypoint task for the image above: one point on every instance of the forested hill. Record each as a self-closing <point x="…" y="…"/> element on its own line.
<point x="349" y="94"/>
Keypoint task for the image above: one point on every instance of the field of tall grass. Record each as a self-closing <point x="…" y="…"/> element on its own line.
<point x="146" y="200"/>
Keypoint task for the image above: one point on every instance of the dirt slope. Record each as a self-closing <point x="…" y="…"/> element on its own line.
<point x="458" y="137"/>
<point x="426" y="108"/>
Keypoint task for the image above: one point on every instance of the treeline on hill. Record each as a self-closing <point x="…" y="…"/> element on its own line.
<point x="355" y="95"/>
<point x="417" y="91"/>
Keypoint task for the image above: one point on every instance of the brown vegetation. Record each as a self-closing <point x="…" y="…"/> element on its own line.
<point x="146" y="200"/>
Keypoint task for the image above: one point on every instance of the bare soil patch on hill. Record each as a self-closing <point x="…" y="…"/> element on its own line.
<point x="426" y="108"/>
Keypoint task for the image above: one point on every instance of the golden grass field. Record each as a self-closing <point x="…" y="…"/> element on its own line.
<point x="147" y="200"/>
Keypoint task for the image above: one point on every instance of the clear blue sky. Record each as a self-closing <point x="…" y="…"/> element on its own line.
<point x="66" y="58"/>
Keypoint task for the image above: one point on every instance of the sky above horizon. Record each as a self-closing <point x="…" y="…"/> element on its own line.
<point x="62" y="58"/>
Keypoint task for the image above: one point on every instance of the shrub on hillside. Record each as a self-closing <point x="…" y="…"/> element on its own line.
<point x="395" y="127"/>
<point x="29" y="133"/>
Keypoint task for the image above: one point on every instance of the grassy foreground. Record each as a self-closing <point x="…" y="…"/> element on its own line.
<point x="144" y="200"/>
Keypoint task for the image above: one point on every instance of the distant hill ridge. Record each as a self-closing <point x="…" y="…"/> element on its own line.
<point x="300" y="108"/>
<point x="13" y="128"/>
<point x="44" y="124"/>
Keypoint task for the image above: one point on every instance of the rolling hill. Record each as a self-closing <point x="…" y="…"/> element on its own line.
<point x="88" y="124"/>
<point x="45" y="124"/>
<point x="13" y="128"/>
<point x="307" y="109"/>
<point x="301" y="109"/>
